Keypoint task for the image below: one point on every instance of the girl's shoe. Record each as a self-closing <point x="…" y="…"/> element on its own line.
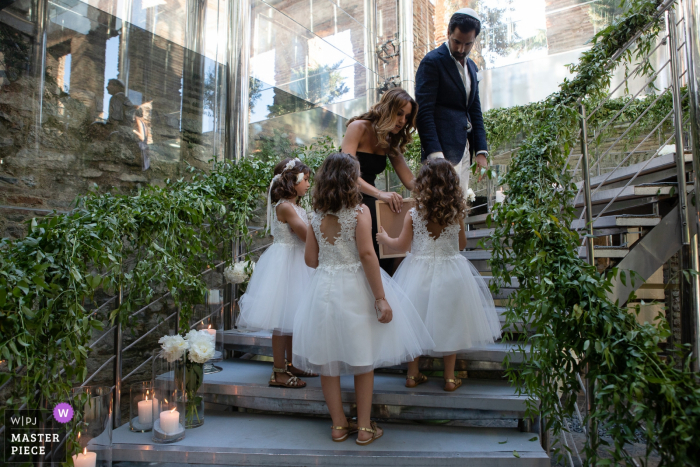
<point x="419" y="379"/>
<point x="350" y="429"/>
<point x="372" y="430"/>
<point x="293" y="382"/>
<point x="456" y="381"/>
<point x="297" y="372"/>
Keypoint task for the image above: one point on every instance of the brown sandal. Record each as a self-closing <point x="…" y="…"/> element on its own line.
<point x="297" y="372"/>
<point x="419" y="379"/>
<point x="293" y="382"/>
<point x="372" y="430"/>
<point x="456" y="381"/>
<point x="351" y="429"/>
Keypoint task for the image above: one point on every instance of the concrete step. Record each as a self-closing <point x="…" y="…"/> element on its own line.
<point x="613" y="252"/>
<point x="235" y="438"/>
<point x="244" y="383"/>
<point x="624" y="220"/>
<point x="659" y="164"/>
<point x="488" y="357"/>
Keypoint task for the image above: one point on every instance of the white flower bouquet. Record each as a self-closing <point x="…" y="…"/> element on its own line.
<point x="200" y="346"/>
<point x="470" y="195"/>
<point x="239" y="272"/>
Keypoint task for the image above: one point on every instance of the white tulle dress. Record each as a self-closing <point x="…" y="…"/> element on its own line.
<point x="447" y="291"/>
<point x="279" y="283"/>
<point x="336" y="330"/>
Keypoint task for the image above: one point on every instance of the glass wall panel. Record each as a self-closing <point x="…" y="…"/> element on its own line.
<point x="112" y="93"/>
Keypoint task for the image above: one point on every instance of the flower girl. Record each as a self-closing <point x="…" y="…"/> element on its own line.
<point x="446" y="289"/>
<point x="281" y="277"/>
<point x="353" y="317"/>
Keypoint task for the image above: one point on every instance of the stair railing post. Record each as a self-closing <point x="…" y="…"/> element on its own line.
<point x="117" y="419"/>
<point x="586" y="185"/>
<point x="690" y="301"/>
<point x="692" y="54"/>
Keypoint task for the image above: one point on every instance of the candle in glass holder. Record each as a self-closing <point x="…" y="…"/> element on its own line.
<point x="86" y="459"/>
<point x="170" y="421"/>
<point x="145" y="411"/>
<point x="500" y="196"/>
<point x="212" y="332"/>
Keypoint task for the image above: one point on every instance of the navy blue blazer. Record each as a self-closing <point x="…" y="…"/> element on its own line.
<point x="443" y="114"/>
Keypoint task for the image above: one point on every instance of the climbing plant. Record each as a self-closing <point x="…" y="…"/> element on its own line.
<point x="564" y="299"/>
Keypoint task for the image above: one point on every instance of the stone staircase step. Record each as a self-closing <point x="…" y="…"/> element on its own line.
<point x="235" y="438"/>
<point x="658" y="164"/>
<point x="600" y="252"/>
<point x="477" y="219"/>
<point x="260" y="343"/>
<point x="613" y="252"/>
<point x="244" y="383"/>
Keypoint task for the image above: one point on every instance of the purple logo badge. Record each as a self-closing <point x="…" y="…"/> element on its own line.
<point x="63" y="412"/>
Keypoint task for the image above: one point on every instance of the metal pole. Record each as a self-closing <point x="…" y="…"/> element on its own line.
<point x="39" y="65"/>
<point x="406" y="67"/>
<point x="586" y="185"/>
<point x="692" y="53"/>
<point x="118" y="363"/>
<point x="124" y="45"/>
<point x="690" y="301"/>
<point x="371" y="50"/>
<point x="237" y="79"/>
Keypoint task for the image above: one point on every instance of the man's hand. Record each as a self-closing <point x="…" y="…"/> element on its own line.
<point x="482" y="164"/>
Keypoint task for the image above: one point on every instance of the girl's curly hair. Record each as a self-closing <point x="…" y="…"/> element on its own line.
<point x="439" y="197"/>
<point x="336" y="184"/>
<point x="382" y="115"/>
<point x="284" y="187"/>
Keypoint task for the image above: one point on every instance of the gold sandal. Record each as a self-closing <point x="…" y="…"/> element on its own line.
<point x="351" y="429"/>
<point x="293" y="382"/>
<point x="299" y="372"/>
<point x="419" y="379"/>
<point x="372" y="430"/>
<point x="456" y="381"/>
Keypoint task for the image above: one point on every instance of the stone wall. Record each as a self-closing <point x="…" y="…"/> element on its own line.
<point x="568" y="25"/>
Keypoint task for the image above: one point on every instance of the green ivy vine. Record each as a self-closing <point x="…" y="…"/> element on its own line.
<point x="576" y="327"/>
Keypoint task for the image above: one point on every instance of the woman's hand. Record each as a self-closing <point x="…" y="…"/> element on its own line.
<point x="384" y="310"/>
<point x="393" y="199"/>
<point x="382" y="236"/>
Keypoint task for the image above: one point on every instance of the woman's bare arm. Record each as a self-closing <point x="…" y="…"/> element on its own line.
<point x="462" y="236"/>
<point x="403" y="171"/>
<point x="370" y="263"/>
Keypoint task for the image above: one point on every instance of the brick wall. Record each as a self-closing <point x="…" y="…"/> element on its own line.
<point x="423" y="30"/>
<point x="568" y="25"/>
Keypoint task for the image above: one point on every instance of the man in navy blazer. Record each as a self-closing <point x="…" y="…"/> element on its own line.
<point x="449" y="120"/>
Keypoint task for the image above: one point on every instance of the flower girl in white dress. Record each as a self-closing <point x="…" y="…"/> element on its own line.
<point x="353" y="318"/>
<point x="446" y="289"/>
<point x="281" y="277"/>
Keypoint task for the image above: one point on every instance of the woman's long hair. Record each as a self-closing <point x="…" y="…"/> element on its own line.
<point x="382" y="115"/>
<point x="439" y="197"/>
<point x="336" y="184"/>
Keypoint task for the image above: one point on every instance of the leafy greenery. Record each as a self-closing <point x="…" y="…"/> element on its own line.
<point x="158" y="240"/>
<point x="576" y="327"/>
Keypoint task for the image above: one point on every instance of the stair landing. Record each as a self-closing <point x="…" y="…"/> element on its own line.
<point x="235" y="438"/>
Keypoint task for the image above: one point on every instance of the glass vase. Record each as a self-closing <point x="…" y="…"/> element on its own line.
<point x="92" y="446"/>
<point x="192" y="403"/>
<point x="168" y="387"/>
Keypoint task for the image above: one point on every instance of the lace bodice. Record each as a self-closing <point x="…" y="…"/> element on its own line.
<point x="343" y="253"/>
<point x="424" y="246"/>
<point x="282" y="232"/>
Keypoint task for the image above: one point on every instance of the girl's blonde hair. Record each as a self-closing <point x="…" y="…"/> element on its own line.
<point x="382" y="115"/>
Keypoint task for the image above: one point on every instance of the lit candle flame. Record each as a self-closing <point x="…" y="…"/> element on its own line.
<point x="173" y="410"/>
<point x="166" y="401"/>
<point x="210" y="326"/>
<point x="85" y="452"/>
<point x="146" y="396"/>
<point x="78" y="435"/>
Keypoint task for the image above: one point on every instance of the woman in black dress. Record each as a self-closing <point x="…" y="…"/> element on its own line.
<point x="383" y="131"/>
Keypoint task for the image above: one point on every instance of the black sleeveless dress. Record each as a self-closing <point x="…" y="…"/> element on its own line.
<point x="372" y="165"/>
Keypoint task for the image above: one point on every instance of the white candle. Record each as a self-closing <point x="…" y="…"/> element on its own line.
<point x="86" y="459"/>
<point x="212" y="332"/>
<point x="214" y="297"/>
<point x="145" y="412"/>
<point x="500" y="196"/>
<point x="170" y="421"/>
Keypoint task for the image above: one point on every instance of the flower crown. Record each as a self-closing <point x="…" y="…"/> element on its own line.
<point x="290" y="165"/>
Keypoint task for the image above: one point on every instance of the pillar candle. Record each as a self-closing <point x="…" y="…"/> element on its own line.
<point x="145" y="412"/>
<point x="169" y="421"/>
<point x="86" y="459"/>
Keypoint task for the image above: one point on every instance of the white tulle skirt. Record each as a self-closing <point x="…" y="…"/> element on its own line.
<point x="336" y="330"/>
<point x="279" y="283"/>
<point x="453" y="300"/>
